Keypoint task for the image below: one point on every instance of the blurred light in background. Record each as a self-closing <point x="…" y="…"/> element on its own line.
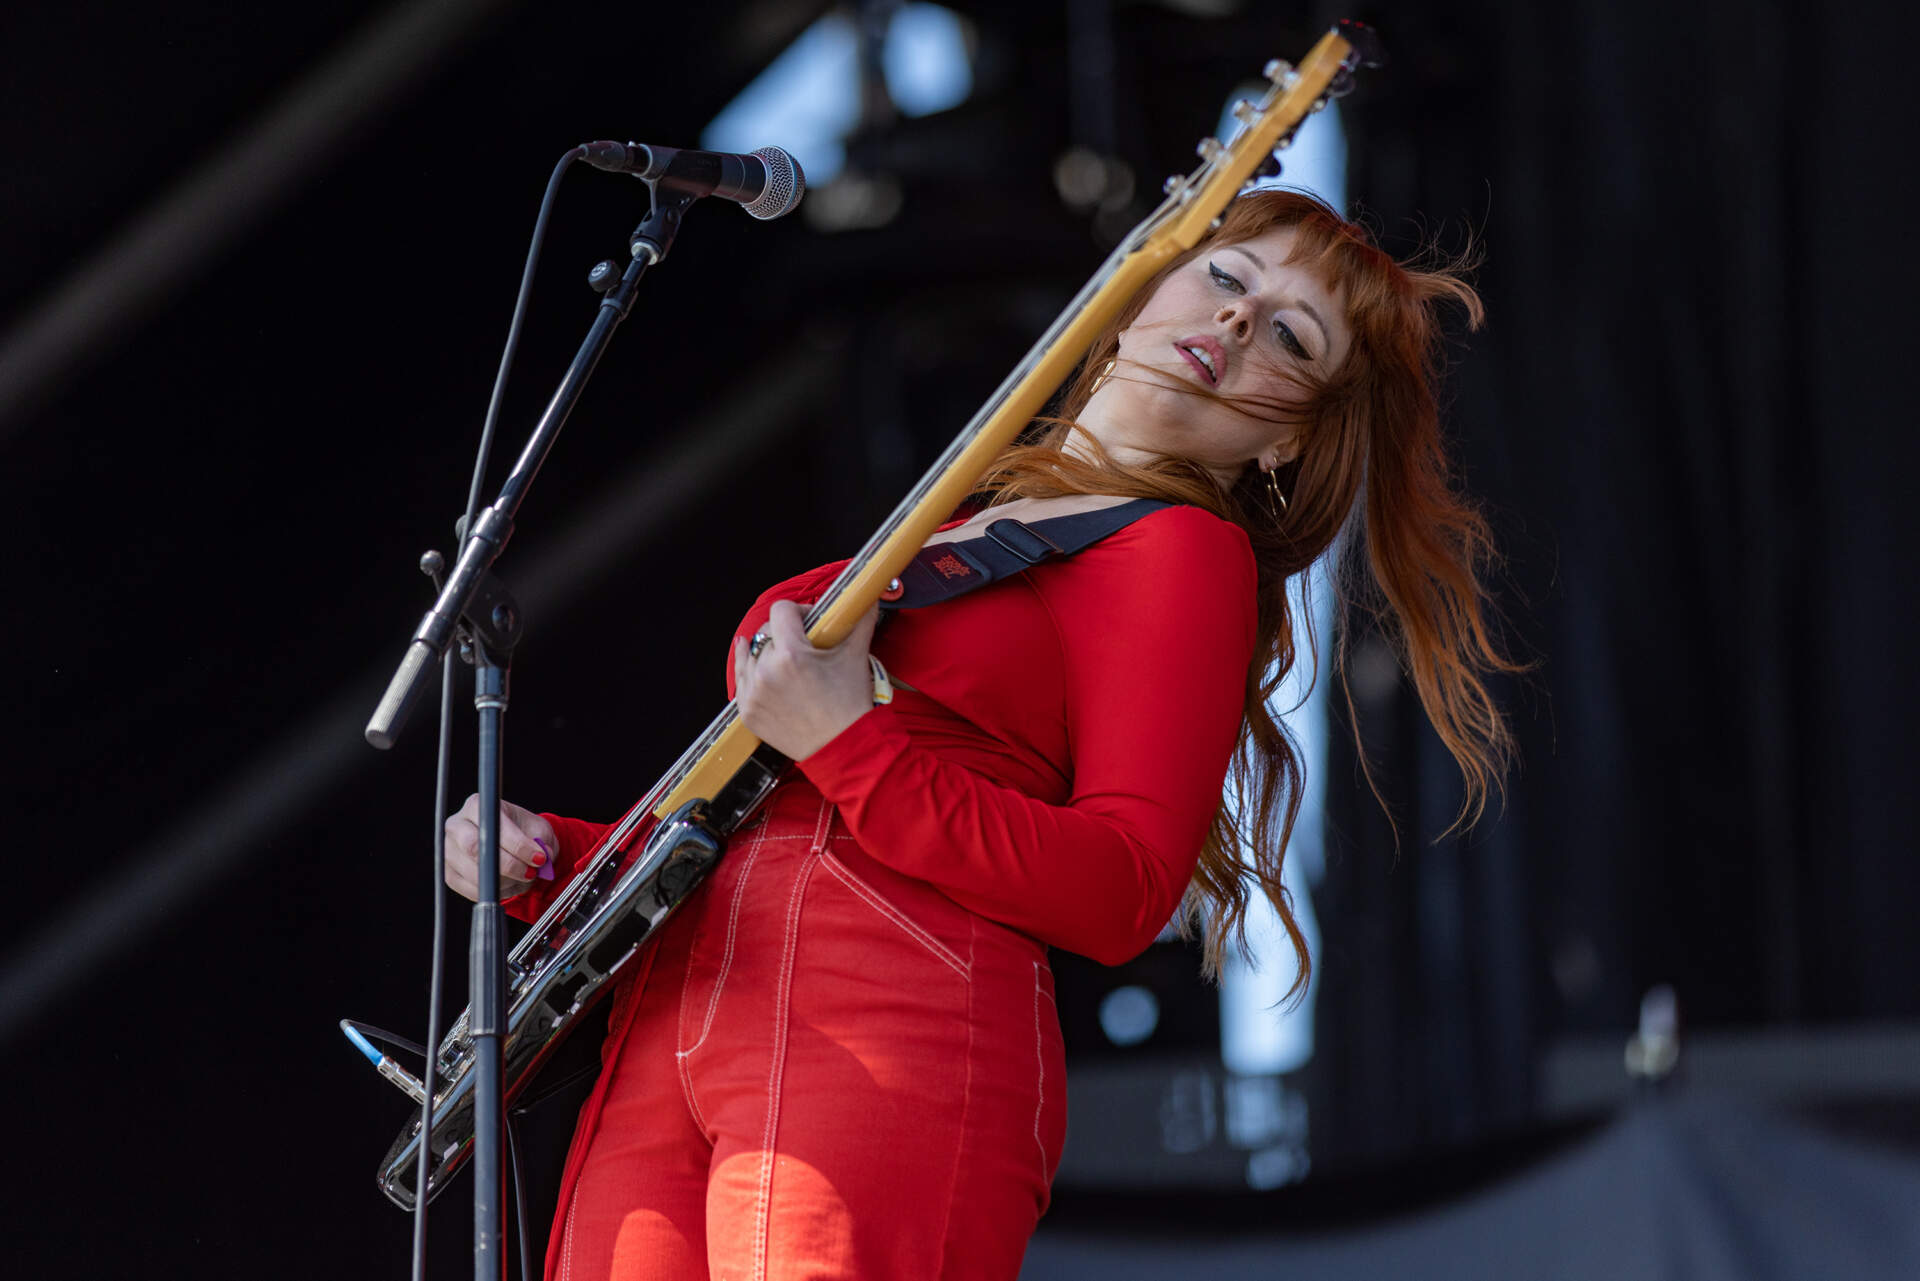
<point x="808" y="98"/>
<point x="1316" y="162"/>
<point x="1129" y="1014"/>
<point x="1257" y="1037"/>
<point x="926" y="60"/>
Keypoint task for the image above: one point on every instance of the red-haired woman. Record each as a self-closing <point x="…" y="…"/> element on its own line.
<point x="841" y="1057"/>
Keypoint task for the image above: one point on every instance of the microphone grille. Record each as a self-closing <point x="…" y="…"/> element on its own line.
<point x="785" y="185"/>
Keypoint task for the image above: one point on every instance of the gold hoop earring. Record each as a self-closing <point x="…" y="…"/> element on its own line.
<point x="1276" y="501"/>
<point x="1106" y="372"/>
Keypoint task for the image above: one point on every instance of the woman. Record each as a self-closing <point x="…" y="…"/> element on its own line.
<point x="841" y="1058"/>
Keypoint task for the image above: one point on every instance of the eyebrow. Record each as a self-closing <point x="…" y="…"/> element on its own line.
<point x="1326" y="335"/>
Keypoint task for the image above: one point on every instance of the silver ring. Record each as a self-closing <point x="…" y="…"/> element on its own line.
<point x="759" y="642"/>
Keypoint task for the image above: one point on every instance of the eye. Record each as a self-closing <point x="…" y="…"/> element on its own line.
<point x="1290" y="340"/>
<point x="1225" y="281"/>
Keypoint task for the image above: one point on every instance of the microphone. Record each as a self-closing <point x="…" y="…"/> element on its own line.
<point x="768" y="182"/>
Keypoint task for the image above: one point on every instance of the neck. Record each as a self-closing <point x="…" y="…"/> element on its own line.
<point x="1106" y="420"/>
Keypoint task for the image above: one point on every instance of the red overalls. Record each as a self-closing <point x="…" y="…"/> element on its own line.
<point x="841" y="1057"/>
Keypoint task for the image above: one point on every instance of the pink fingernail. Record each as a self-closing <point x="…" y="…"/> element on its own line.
<point x="546" y="867"/>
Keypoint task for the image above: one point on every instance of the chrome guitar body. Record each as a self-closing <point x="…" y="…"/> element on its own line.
<point x="627" y="888"/>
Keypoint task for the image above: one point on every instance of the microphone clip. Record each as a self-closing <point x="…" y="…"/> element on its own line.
<point x="655" y="234"/>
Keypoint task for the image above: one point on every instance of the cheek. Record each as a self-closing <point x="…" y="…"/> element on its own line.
<point x="1172" y="303"/>
<point x="1137" y="340"/>
<point x="1177" y="298"/>
<point x="1281" y="391"/>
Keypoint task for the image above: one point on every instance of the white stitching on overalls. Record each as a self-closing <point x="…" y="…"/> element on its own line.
<point x="966" y="1100"/>
<point x="851" y="879"/>
<point x="566" y="1238"/>
<point x="763" y="1207"/>
<point x="821" y="826"/>
<point x="682" y="1058"/>
<point x="686" y="1089"/>
<point x="726" y="956"/>
<point x="1040" y="1062"/>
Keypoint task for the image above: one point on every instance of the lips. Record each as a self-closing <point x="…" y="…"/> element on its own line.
<point x="1201" y="352"/>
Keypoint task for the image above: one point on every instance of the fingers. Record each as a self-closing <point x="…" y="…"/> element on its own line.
<point x="463" y="845"/>
<point x="786" y="647"/>
<point x="787" y="624"/>
<point x="797" y="697"/>
<point x="861" y="637"/>
<point x="521" y="855"/>
<point x="527" y="842"/>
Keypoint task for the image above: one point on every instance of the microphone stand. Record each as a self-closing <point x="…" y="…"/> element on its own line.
<point x="473" y="602"/>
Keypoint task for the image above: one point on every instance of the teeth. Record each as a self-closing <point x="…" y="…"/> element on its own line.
<point x="1200" y="354"/>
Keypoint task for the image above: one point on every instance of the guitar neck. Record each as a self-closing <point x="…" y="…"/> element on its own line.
<point x="721" y="751"/>
<point x="1191" y="206"/>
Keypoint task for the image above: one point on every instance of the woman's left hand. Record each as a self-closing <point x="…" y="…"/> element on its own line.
<point x="798" y="698"/>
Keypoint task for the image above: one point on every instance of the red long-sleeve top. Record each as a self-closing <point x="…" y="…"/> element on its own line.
<point x="1059" y="754"/>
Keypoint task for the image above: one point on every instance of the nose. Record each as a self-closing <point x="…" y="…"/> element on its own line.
<point x="1237" y="315"/>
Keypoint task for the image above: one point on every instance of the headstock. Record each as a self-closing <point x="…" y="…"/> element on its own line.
<point x="1293" y="93"/>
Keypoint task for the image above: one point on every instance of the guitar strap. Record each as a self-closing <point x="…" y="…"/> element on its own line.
<point x="946" y="570"/>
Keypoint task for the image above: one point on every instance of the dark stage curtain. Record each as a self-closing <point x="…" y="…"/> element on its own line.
<point x="1689" y="418"/>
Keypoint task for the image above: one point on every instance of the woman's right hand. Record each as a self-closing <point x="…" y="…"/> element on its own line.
<point x="521" y="857"/>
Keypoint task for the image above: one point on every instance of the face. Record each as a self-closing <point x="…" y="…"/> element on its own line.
<point x="1237" y="320"/>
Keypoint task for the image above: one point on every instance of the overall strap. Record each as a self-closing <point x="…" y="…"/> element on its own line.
<point x="946" y="570"/>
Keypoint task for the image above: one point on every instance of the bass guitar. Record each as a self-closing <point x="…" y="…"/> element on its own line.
<point x="665" y="845"/>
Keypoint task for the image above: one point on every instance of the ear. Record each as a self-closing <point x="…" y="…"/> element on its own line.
<point x="1280" y="453"/>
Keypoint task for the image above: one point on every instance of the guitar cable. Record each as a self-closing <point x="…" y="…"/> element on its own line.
<point x="442" y="773"/>
<point x="369" y="1032"/>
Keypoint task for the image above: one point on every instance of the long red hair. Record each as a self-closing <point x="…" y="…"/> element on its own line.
<point x="1372" y="465"/>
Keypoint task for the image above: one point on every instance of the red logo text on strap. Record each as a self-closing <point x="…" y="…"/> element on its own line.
<point x="951" y="566"/>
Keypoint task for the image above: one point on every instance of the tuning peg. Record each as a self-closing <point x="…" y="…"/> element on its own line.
<point x="1245" y="112"/>
<point x="1172" y="184"/>
<point x="1280" y="72"/>
<point x="1209" y="148"/>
